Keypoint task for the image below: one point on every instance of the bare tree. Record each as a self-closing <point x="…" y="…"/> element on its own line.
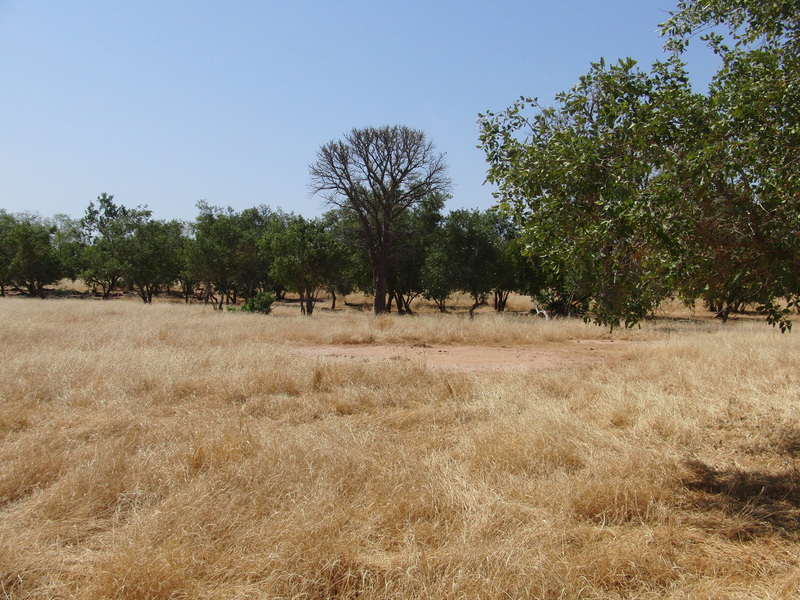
<point x="377" y="174"/>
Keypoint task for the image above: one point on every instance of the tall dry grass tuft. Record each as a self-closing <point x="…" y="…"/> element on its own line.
<point x="174" y="452"/>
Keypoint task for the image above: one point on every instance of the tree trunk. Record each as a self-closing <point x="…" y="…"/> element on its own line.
<point x="500" y="300"/>
<point x="379" y="288"/>
<point x="333" y="300"/>
<point x="302" y="303"/>
<point x="479" y="301"/>
<point x="309" y="304"/>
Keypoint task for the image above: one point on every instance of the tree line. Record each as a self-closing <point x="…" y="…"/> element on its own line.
<point x="225" y="257"/>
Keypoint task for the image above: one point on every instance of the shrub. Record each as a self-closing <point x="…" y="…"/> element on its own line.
<point x="260" y="303"/>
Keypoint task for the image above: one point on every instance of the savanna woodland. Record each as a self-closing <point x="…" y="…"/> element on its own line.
<point x="641" y="440"/>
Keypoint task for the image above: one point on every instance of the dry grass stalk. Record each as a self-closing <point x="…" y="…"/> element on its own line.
<point x="173" y="452"/>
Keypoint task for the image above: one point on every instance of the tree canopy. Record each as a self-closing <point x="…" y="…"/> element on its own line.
<point x="633" y="187"/>
<point x="377" y="175"/>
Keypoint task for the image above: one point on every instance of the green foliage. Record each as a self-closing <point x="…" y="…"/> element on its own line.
<point x="437" y="279"/>
<point x="225" y="255"/>
<point x="152" y="257"/>
<point x="260" y="303"/>
<point x="106" y="230"/>
<point x="7" y="223"/>
<point x="582" y="178"/>
<point x="352" y="271"/>
<point x="740" y="182"/>
<point x="467" y="241"/>
<point x="415" y="232"/>
<point x="632" y="187"/>
<point x="33" y="262"/>
<point x="303" y="255"/>
<point x="68" y="244"/>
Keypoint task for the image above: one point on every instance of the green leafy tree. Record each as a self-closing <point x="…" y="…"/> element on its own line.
<point x="467" y="246"/>
<point x="302" y="258"/>
<point x="512" y="269"/>
<point x="152" y="257"/>
<point x="216" y="252"/>
<point x="355" y="270"/>
<point x="68" y="243"/>
<point x="583" y="180"/>
<point x="106" y="229"/>
<point x="253" y="265"/>
<point x="188" y="271"/>
<point x="377" y="175"/>
<point x="34" y="261"/>
<point x="349" y="271"/>
<point x="415" y="233"/>
<point x="438" y="280"/>
<point x="225" y="254"/>
<point x="7" y="223"/>
<point x="740" y="184"/>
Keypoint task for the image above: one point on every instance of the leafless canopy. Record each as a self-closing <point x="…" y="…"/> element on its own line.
<point x="378" y="171"/>
<point x="377" y="174"/>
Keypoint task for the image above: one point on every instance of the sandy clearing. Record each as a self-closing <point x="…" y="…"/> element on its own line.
<point x="555" y="355"/>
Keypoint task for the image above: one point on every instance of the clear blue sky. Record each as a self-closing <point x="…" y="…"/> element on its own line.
<point x="163" y="103"/>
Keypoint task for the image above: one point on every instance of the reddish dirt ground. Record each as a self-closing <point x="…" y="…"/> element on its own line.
<point x="555" y="355"/>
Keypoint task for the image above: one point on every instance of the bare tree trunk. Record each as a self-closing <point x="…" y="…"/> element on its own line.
<point x="309" y="303"/>
<point x="379" y="288"/>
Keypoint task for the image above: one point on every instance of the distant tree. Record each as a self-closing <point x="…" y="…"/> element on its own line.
<point x="355" y="270"/>
<point x="512" y="270"/>
<point x="416" y="232"/>
<point x="348" y="271"/>
<point x="252" y="274"/>
<point x="68" y="243"/>
<point x="302" y="258"/>
<point x="377" y="175"/>
<point x="225" y="254"/>
<point x="151" y="257"/>
<point x="7" y="223"/>
<point x="467" y="253"/>
<point x="438" y="280"/>
<point x="34" y="262"/>
<point x="217" y="251"/>
<point x="106" y="228"/>
<point x="187" y="258"/>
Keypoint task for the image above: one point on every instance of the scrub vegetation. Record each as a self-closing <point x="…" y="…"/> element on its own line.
<point x="173" y="451"/>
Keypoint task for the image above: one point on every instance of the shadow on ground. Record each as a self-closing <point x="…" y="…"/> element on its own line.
<point x="757" y="504"/>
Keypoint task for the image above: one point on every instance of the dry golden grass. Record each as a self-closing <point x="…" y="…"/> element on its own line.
<point x="170" y="451"/>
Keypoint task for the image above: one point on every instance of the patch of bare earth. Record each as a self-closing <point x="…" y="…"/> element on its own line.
<point x="551" y="355"/>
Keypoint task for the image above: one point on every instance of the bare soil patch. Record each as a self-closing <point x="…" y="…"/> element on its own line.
<point x="473" y="358"/>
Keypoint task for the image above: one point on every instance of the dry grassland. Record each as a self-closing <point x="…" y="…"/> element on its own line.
<point x="169" y="451"/>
